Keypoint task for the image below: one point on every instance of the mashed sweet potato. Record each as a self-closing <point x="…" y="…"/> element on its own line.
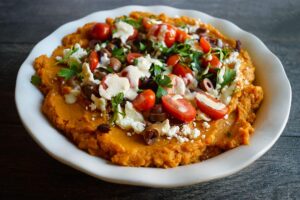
<point x="80" y="124"/>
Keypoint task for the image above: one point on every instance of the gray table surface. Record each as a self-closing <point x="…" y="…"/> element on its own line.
<point x="26" y="171"/>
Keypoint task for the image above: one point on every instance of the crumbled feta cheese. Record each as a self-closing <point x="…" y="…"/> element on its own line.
<point x="115" y="84"/>
<point x="105" y="59"/>
<point x="226" y="93"/>
<point x="71" y="97"/>
<point x="226" y="116"/>
<point x="100" y="103"/>
<point x="124" y="31"/>
<point x="132" y="120"/>
<point x="206" y="125"/>
<point x="195" y="133"/>
<point x="77" y="55"/>
<point x="97" y="47"/>
<point x="88" y="77"/>
<point x="192" y="29"/>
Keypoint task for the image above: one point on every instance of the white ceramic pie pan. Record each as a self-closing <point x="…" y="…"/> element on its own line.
<point x="271" y="119"/>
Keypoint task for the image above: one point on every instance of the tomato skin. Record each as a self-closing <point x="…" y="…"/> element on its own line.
<point x="181" y="70"/>
<point x="166" y="30"/>
<point x="134" y="35"/>
<point x="93" y="60"/>
<point x="173" y="60"/>
<point x="101" y="31"/>
<point x="181" y="109"/>
<point x="181" y="36"/>
<point x="144" y="101"/>
<point x="131" y="56"/>
<point x="205" y="45"/>
<point x="146" y="23"/>
<point x="211" y="112"/>
<point x="214" y="63"/>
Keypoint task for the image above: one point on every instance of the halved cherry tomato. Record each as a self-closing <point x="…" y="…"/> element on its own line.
<point x="214" y="63"/>
<point x="181" y="70"/>
<point x="144" y="101"/>
<point x="100" y="31"/>
<point x="205" y="45"/>
<point x="146" y="23"/>
<point x="211" y="106"/>
<point x="181" y="36"/>
<point x="164" y="31"/>
<point x="173" y="60"/>
<point x="134" y="35"/>
<point x="181" y="108"/>
<point x="131" y="56"/>
<point x="93" y="60"/>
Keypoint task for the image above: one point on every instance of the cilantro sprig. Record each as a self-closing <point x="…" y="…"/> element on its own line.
<point x="162" y="81"/>
<point x="35" y="80"/>
<point x="133" y="22"/>
<point x="68" y="73"/>
<point x="66" y="57"/>
<point x="228" y="77"/>
<point x="115" y="101"/>
<point x="119" y="53"/>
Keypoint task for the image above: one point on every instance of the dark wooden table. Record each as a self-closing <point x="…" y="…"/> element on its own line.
<point x="27" y="172"/>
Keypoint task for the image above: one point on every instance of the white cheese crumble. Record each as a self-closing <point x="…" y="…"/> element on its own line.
<point x="116" y="84"/>
<point x="105" y="60"/>
<point x="71" y="97"/>
<point x="99" y="103"/>
<point x="124" y="31"/>
<point x="178" y="85"/>
<point x="76" y="56"/>
<point x="132" y="120"/>
<point x="88" y="77"/>
<point x="206" y="125"/>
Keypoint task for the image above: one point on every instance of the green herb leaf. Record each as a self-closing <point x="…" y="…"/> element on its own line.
<point x="142" y="46"/>
<point x="35" y="80"/>
<point x="163" y="80"/>
<point x="133" y="22"/>
<point x="228" y="77"/>
<point x="160" y="92"/>
<point x="223" y="53"/>
<point x="66" y="73"/>
<point x="196" y="63"/>
<point x="66" y="57"/>
<point x="156" y="69"/>
<point x="119" y="53"/>
<point x="115" y="101"/>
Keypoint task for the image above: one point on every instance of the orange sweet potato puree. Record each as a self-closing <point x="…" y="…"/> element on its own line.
<point x="80" y="124"/>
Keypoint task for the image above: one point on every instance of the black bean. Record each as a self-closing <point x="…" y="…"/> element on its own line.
<point x="150" y="135"/>
<point x="88" y="90"/>
<point x="103" y="128"/>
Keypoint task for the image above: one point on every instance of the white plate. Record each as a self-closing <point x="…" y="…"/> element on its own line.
<point x="271" y="119"/>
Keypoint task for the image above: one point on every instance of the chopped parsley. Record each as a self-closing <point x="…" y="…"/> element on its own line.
<point x="162" y="81"/>
<point x="133" y="22"/>
<point x="115" y="101"/>
<point x="66" y="57"/>
<point x="228" y="77"/>
<point x="222" y="53"/>
<point x="68" y="73"/>
<point x="142" y="46"/>
<point x="119" y="53"/>
<point x="35" y="80"/>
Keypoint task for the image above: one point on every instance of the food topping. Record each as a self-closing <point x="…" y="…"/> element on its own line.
<point x="146" y="74"/>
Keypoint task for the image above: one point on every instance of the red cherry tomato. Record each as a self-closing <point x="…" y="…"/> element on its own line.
<point x="134" y="35"/>
<point x="214" y="63"/>
<point x="144" y="101"/>
<point x="181" y="36"/>
<point x="181" y="109"/>
<point x="131" y="56"/>
<point x="146" y="23"/>
<point x="100" y="31"/>
<point x="181" y="70"/>
<point x="165" y="31"/>
<point x="211" y="106"/>
<point x="205" y="45"/>
<point x="93" y="60"/>
<point x="173" y="60"/>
